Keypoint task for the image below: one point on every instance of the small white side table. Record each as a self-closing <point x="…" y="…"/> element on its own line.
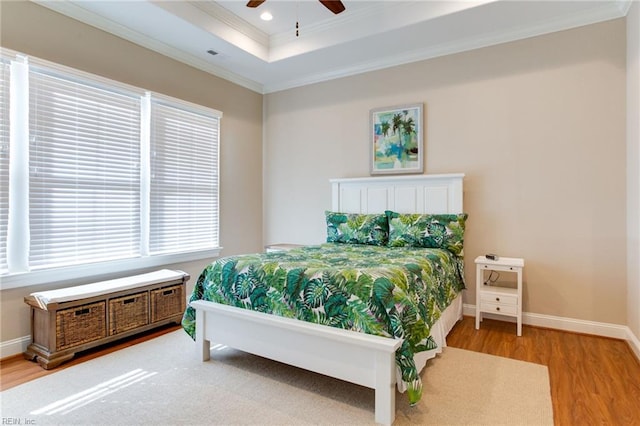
<point x="495" y="299"/>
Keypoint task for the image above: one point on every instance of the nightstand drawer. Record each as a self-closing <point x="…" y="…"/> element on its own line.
<point x="499" y="308"/>
<point x="504" y="268"/>
<point x="499" y="299"/>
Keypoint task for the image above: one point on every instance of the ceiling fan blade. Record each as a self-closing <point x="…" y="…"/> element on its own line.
<point x="335" y="6"/>
<point x="255" y="3"/>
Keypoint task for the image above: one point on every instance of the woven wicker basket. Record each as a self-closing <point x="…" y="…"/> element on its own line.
<point x="167" y="302"/>
<point x="80" y="324"/>
<point x="128" y="312"/>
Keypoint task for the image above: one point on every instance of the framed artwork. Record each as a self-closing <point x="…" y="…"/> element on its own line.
<point x="396" y="140"/>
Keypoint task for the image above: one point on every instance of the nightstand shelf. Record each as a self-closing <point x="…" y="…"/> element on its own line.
<point x="496" y="299"/>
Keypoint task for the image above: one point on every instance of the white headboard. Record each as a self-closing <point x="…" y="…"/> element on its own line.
<point x="433" y="194"/>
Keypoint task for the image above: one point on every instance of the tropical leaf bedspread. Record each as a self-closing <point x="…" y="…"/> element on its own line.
<point x="396" y="292"/>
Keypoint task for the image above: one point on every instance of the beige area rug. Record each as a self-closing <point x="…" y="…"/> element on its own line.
<point x="161" y="382"/>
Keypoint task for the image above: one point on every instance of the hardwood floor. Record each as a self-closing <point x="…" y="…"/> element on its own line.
<point x="594" y="380"/>
<point x="16" y="370"/>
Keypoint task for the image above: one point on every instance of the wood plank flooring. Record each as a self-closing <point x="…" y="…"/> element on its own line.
<point x="594" y="380"/>
<point x="16" y="370"/>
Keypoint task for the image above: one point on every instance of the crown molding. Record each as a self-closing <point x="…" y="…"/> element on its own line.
<point x="604" y="13"/>
<point x="231" y="20"/>
<point x="78" y="13"/>
<point x="190" y="12"/>
<point x="624" y="6"/>
<point x="326" y="27"/>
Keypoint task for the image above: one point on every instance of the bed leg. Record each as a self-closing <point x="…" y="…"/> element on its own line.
<point x="203" y="344"/>
<point x="385" y="410"/>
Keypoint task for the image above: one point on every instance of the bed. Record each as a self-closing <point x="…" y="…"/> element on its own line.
<point x="369" y="306"/>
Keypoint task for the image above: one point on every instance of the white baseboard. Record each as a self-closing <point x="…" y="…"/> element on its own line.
<point x="14" y="347"/>
<point x="569" y="324"/>
<point x="634" y="342"/>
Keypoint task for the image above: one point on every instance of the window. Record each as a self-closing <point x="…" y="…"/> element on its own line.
<point x="109" y="177"/>
<point x="184" y="179"/>
<point x="84" y="172"/>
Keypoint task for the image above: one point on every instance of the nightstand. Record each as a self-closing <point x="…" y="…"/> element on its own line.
<point x="498" y="299"/>
<point x="280" y="247"/>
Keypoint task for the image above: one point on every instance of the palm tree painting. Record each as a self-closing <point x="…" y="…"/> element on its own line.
<point x="396" y="139"/>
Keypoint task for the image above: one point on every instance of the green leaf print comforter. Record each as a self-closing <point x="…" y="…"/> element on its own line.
<point x="396" y="292"/>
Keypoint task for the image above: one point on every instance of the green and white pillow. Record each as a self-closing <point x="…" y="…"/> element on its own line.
<point x="357" y="228"/>
<point x="444" y="231"/>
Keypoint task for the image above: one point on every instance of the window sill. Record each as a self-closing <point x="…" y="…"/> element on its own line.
<point x="96" y="270"/>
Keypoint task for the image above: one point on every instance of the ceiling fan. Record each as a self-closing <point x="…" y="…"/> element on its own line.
<point x="335" y="6"/>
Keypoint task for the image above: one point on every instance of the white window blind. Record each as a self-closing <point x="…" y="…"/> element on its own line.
<point x="98" y="177"/>
<point x="184" y="179"/>
<point x="4" y="161"/>
<point x="84" y="171"/>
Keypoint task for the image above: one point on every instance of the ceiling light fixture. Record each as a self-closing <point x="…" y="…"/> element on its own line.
<point x="266" y="16"/>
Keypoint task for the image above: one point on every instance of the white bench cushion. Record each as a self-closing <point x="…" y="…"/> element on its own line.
<point x="103" y="287"/>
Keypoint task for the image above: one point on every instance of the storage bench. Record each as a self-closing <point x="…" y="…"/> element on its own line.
<point x="74" y="319"/>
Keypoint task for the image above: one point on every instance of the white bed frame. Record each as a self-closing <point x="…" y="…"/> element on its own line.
<point x="359" y="358"/>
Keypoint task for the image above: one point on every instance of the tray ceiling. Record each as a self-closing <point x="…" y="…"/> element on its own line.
<point x="368" y="35"/>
